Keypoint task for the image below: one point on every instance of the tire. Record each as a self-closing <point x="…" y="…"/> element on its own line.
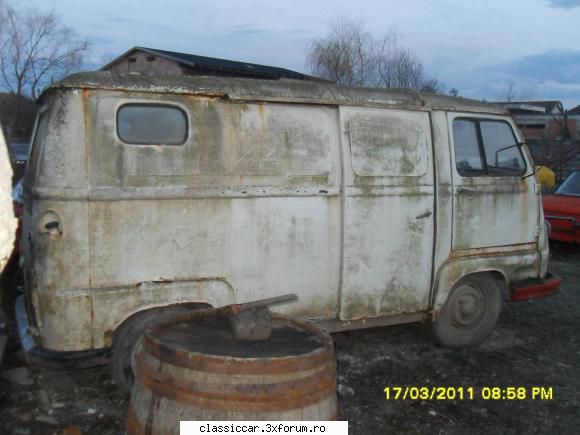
<point x="126" y="338"/>
<point x="470" y="312"/>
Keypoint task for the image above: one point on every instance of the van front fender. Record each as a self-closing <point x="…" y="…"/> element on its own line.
<point x="509" y="264"/>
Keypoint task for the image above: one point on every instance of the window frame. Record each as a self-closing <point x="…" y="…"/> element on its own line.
<point x="481" y="148"/>
<point x="157" y="105"/>
<point x="41" y="122"/>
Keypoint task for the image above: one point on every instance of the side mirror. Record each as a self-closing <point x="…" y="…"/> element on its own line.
<point x="531" y="174"/>
<point x="505" y="167"/>
<point x="497" y="153"/>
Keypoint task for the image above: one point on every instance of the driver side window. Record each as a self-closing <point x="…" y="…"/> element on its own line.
<point x="486" y="147"/>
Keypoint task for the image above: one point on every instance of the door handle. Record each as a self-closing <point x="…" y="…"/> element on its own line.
<point x="424" y="215"/>
<point x="464" y="189"/>
<point x="50" y="224"/>
<point x="51" y="228"/>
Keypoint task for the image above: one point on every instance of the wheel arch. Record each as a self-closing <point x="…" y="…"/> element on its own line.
<point x="501" y="268"/>
<point x="113" y="307"/>
<point x="130" y="318"/>
<point x="128" y="334"/>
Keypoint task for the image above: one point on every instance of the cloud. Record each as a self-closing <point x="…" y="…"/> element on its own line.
<point x="572" y="88"/>
<point x="564" y="4"/>
<point x="248" y="30"/>
<point x="561" y="66"/>
<point x="551" y="75"/>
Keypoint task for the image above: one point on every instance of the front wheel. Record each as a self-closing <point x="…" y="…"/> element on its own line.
<point x="470" y="313"/>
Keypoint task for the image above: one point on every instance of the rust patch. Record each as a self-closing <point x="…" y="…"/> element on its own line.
<point x="132" y="425"/>
<point x="492" y="251"/>
<point x="261" y="114"/>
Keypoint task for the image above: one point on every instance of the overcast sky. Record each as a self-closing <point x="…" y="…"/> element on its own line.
<point x="474" y="46"/>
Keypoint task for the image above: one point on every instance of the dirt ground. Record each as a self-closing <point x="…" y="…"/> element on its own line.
<point x="537" y="344"/>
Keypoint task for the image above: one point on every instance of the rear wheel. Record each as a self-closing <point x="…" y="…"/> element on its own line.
<point x="126" y="338"/>
<point x="470" y="313"/>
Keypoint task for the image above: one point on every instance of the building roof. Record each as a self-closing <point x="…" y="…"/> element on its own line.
<point x="574" y="111"/>
<point x="282" y="90"/>
<point x="531" y="107"/>
<point x="212" y="64"/>
<point x="6" y="96"/>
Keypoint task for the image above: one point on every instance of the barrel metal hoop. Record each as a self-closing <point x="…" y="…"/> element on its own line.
<point x="252" y="392"/>
<point x="240" y="403"/>
<point x="236" y="366"/>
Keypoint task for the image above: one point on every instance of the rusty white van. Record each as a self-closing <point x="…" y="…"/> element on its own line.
<point x="146" y="196"/>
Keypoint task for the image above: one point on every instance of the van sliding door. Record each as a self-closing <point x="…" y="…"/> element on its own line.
<point x="389" y="213"/>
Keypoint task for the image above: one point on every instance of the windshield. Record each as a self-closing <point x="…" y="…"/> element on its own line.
<point x="571" y="185"/>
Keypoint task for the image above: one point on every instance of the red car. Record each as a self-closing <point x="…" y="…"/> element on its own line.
<point x="562" y="210"/>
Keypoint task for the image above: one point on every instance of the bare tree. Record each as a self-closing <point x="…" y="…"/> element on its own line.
<point x="350" y="56"/>
<point x="508" y="92"/>
<point x="35" y="49"/>
<point x="511" y="92"/>
<point x="346" y="56"/>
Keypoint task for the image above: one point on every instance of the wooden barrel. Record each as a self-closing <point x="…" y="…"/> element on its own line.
<point x="194" y="369"/>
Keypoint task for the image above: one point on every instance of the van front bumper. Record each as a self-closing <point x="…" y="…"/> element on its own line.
<point x="39" y="355"/>
<point x="534" y="288"/>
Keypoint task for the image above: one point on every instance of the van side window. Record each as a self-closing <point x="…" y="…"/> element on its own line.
<point x="501" y="151"/>
<point x="37" y="144"/>
<point x="467" y="156"/>
<point x="148" y="124"/>
<point x="486" y="147"/>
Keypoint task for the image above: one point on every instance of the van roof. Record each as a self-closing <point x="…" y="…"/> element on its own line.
<point x="281" y="90"/>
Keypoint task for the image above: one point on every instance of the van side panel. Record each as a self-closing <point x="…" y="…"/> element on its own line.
<point x="248" y="208"/>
